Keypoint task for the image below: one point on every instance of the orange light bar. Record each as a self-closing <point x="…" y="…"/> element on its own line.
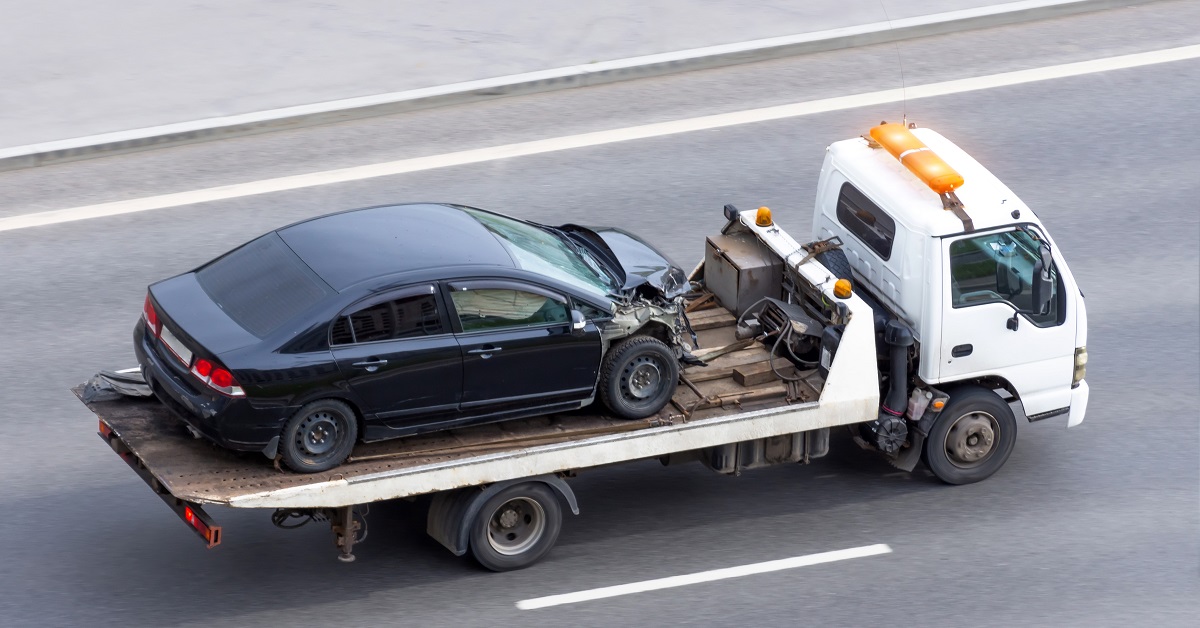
<point x="917" y="157"/>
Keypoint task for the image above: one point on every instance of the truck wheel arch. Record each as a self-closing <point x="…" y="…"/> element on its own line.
<point x="451" y="513"/>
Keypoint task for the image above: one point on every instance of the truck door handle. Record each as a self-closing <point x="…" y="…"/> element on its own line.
<point x="962" y="351"/>
<point x="486" y="352"/>
<point x="371" y="365"/>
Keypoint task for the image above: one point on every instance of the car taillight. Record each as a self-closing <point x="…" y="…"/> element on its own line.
<point x="203" y="367"/>
<point x="151" y="316"/>
<point x="217" y="378"/>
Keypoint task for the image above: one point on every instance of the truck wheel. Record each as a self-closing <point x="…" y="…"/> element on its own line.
<point x="516" y="527"/>
<point x="972" y="438"/>
<point x="319" y="437"/>
<point x="638" y="377"/>
<point x="837" y="263"/>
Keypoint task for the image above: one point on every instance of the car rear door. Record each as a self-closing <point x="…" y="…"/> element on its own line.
<point x="518" y="348"/>
<point x="398" y="354"/>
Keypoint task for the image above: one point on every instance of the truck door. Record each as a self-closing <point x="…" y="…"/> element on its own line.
<point x="987" y="279"/>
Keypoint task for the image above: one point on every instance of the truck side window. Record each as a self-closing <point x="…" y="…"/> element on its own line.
<point x="866" y="220"/>
<point x="998" y="267"/>
<point x="406" y="317"/>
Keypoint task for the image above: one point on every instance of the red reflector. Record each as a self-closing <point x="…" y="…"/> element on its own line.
<point x="195" y="522"/>
<point x="222" y="378"/>
<point x="204" y="368"/>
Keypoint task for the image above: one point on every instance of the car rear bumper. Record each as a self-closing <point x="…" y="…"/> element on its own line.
<point x="231" y="423"/>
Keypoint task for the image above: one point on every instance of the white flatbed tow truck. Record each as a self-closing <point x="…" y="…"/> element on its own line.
<point x="858" y="347"/>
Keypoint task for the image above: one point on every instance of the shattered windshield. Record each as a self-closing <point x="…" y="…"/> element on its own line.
<point x="543" y="252"/>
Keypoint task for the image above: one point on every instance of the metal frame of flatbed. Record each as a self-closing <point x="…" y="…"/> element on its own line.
<point x="187" y="472"/>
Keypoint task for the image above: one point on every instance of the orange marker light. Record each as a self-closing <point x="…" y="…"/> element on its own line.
<point x="841" y="289"/>
<point x="938" y="404"/>
<point x="763" y="217"/>
<point x="917" y="157"/>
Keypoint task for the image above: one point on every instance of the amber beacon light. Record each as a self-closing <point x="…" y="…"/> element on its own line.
<point x="917" y="157"/>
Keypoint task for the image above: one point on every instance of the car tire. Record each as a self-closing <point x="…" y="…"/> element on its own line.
<point x="319" y="437"/>
<point x="516" y="527"/>
<point x="638" y="377"/>
<point x="972" y="438"/>
<point x="836" y="262"/>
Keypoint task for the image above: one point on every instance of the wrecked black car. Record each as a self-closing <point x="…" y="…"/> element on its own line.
<point x="396" y="320"/>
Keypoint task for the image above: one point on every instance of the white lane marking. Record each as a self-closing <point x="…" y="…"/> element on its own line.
<point x="598" y="138"/>
<point x="703" y="576"/>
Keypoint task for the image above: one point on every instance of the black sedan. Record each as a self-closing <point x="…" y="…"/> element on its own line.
<point x="390" y="321"/>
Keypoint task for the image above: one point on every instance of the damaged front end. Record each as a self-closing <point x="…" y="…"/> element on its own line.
<point x="659" y="317"/>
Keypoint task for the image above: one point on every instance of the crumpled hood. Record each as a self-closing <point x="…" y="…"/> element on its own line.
<point x="635" y="261"/>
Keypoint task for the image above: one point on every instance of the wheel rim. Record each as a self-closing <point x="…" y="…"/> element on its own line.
<point x="971" y="439"/>
<point x="319" y="433"/>
<point x="517" y="525"/>
<point x="642" y="378"/>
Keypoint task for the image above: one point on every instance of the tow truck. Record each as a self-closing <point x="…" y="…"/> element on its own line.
<point x="930" y="308"/>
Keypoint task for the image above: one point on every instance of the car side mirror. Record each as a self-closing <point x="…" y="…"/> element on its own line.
<point x="578" y="323"/>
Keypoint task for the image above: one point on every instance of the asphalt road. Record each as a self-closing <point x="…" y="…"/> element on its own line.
<point x="1095" y="526"/>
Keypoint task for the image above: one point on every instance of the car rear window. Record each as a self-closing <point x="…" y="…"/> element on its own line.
<point x="262" y="285"/>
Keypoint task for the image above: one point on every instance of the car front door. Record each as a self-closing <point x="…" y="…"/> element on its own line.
<point x="518" y="347"/>
<point x="398" y="354"/>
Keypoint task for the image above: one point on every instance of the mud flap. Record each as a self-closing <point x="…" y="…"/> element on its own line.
<point x="907" y="459"/>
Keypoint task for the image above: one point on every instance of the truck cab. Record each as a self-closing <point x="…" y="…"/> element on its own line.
<point x="941" y="245"/>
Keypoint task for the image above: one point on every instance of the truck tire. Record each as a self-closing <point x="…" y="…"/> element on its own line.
<point x="319" y="437"/>
<point x="837" y="263"/>
<point x="638" y="377"/>
<point x="972" y="438"/>
<point x="516" y="527"/>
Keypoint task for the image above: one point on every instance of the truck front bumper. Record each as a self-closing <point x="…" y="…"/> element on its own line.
<point x="1079" y="401"/>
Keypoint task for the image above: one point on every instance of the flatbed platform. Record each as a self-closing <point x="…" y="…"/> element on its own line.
<point x="195" y="470"/>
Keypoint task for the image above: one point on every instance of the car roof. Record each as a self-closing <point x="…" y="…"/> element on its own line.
<point x="350" y="247"/>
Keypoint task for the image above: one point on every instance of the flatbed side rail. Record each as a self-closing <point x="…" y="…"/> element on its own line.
<point x="189" y="512"/>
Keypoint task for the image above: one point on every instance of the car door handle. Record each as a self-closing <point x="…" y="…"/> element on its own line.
<point x="486" y="352"/>
<point x="371" y="365"/>
<point x="961" y="351"/>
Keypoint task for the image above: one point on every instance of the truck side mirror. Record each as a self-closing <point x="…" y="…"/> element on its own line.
<point x="578" y="323"/>
<point x="1042" y="286"/>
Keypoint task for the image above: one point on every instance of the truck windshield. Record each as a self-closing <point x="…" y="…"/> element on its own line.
<point x="998" y="267"/>
<point x="545" y="253"/>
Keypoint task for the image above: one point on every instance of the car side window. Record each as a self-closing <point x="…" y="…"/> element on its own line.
<point x="998" y="267"/>
<point x="494" y="308"/>
<point x="410" y="316"/>
<point x="866" y="220"/>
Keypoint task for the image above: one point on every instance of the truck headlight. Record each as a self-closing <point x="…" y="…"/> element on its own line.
<point x="1080" y="366"/>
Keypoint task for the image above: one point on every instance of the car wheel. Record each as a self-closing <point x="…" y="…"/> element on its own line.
<point x="319" y="437"/>
<point x="516" y="527"/>
<point x="972" y="438"/>
<point x="638" y="377"/>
